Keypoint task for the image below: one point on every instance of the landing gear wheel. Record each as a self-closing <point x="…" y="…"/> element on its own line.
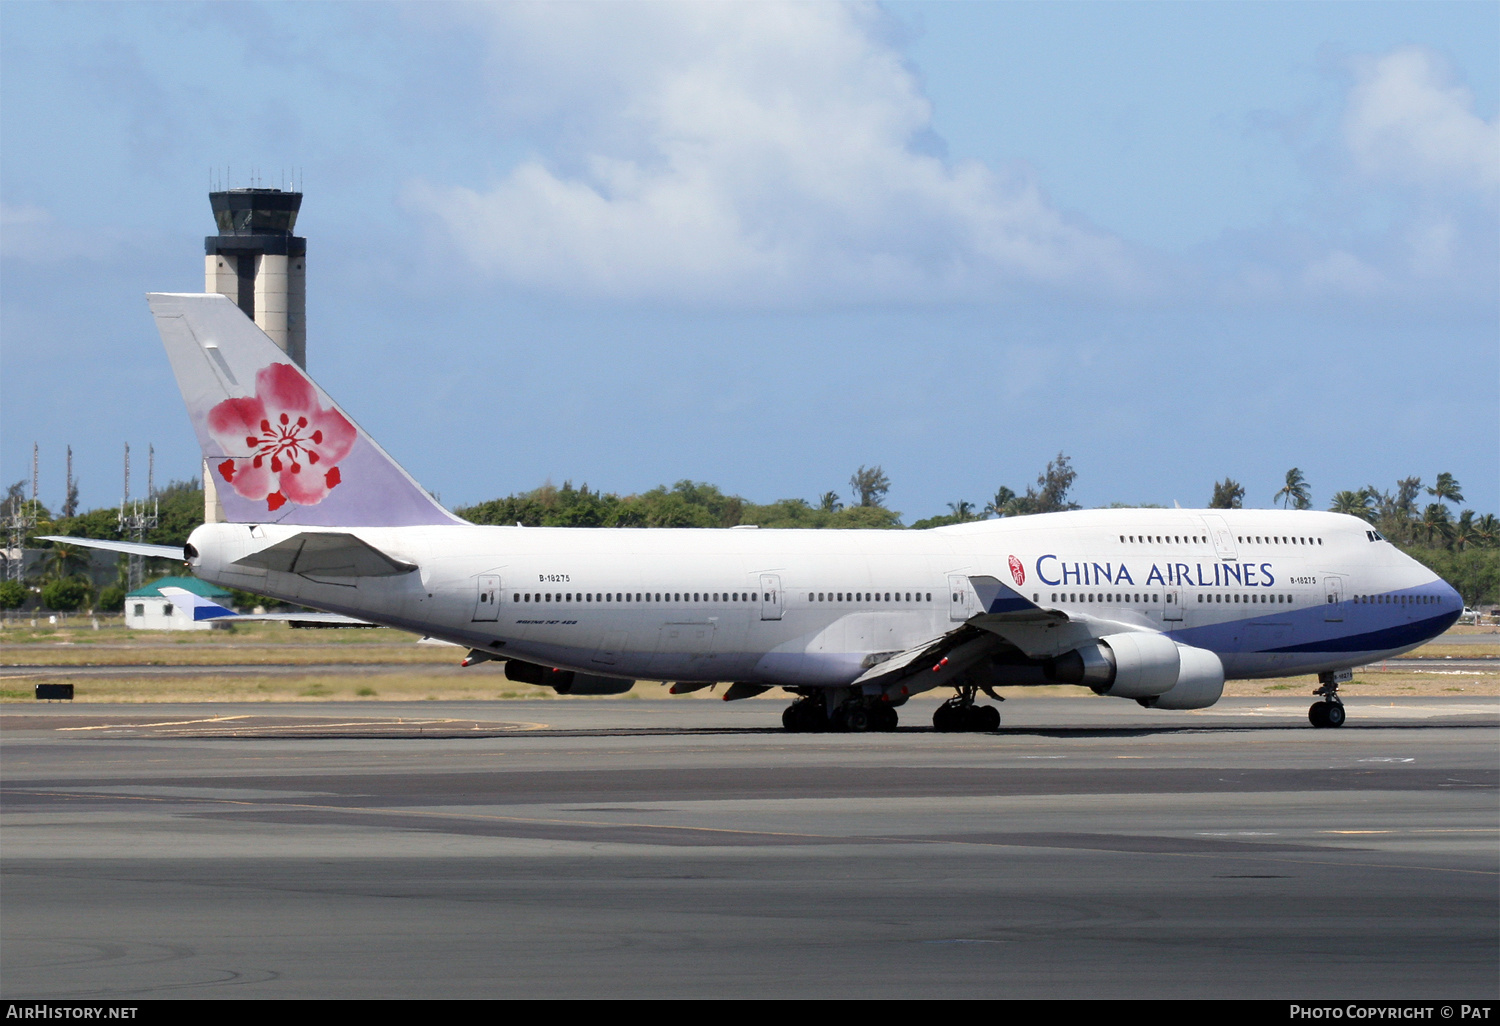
<point x="1326" y="714"/>
<point x="806" y="716"/>
<point x="886" y="718"/>
<point x="857" y="720"/>
<point x="957" y="715"/>
<point x="1330" y="711"/>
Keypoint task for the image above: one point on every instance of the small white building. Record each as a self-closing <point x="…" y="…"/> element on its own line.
<point x="147" y="608"/>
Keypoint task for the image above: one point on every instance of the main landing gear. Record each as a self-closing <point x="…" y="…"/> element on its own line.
<point x="1330" y="711"/>
<point x="960" y="714"/>
<point x="810" y="716"/>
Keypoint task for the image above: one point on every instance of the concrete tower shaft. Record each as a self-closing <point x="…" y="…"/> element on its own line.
<point x="258" y="263"/>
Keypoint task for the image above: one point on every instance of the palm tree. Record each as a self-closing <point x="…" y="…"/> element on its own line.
<point x="963" y="509"/>
<point x="1436" y="522"/>
<point x="1447" y="489"/>
<point x="998" y="505"/>
<point x="829" y="502"/>
<point x="1464" y="531"/>
<point x="1487" y="531"/>
<point x="1355" y="504"/>
<point x="65" y="561"/>
<point x="1295" y="491"/>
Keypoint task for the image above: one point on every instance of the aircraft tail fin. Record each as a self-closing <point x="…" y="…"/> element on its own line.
<point x="278" y="448"/>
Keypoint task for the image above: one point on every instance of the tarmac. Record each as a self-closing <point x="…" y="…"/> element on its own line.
<point x="1090" y="848"/>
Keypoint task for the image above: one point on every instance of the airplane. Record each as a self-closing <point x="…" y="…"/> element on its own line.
<point x="1158" y="606"/>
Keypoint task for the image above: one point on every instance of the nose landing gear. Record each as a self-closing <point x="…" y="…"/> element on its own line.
<point x="1330" y="711"/>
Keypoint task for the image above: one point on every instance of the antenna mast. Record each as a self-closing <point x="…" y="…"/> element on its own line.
<point x="133" y="516"/>
<point x="19" y="520"/>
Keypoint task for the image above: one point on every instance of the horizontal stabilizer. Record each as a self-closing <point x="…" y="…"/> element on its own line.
<point x="132" y="548"/>
<point x="332" y="554"/>
<point x="207" y="609"/>
<point x="203" y="608"/>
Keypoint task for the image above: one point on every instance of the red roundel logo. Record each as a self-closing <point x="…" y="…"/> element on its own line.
<point x="1017" y="571"/>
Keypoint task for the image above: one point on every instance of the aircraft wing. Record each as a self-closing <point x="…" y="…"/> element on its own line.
<point x="132" y="548"/>
<point x="326" y="554"/>
<point x="1008" y="618"/>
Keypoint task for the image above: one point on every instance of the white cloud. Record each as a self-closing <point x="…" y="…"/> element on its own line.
<point x="744" y="153"/>
<point x="1343" y="273"/>
<point x="1409" y="121"/>
<point x="29" y="233"/>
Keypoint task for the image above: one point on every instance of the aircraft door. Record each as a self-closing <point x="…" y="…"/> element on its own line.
<point x="1222" y="537"/>
<point x="487" y="598"/>
<point x="960" y="605"/>
<point x="1333" y="599"/>
<point x="1173" y="603"/>
<point x="772" y="601"/>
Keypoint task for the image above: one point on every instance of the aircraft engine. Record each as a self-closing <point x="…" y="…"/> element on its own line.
<point x="566" y="682"/>
<point x="1150" y="668"/>
<point x="1200" y="682"/>
<point x="1135" y="665"/>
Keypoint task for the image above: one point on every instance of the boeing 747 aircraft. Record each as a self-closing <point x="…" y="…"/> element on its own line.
<point x="1154" y="605"/>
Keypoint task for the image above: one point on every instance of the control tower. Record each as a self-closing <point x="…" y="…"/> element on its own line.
<point x="256" y="261"/>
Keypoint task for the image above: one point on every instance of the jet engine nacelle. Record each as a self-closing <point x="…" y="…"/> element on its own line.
<point x="1151" y="668"/>
<point x="565" y="682"/>
<point x="1200" y="682"/>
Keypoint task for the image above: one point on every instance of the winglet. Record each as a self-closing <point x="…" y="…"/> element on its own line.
<point x="998" y="597"/>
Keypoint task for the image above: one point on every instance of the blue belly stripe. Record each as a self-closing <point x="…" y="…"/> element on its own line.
<point x="1375" y="641"/>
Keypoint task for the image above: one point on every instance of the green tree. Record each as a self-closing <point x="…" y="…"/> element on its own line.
<point x="1053" y="485"/>
<point x="829" y="502"/>
<point x="1447" y="490"/>
<point x="1000" y="503"/>
<point x="1295" y="491"/>
<point x="1355" y="504"/>
<point x="111" y="598"/>
<point x="1487" y="531"/>
<point x="65" y="595"/>
<point x="1228" y="494"/>
<point x="1437" y="523"/>
<point x="1465" y="532"/>
<point x="67" y="561"/>
<point x="1407" y="490"/>
<point x="12" y="594"/>
<point x="870" y="485"/>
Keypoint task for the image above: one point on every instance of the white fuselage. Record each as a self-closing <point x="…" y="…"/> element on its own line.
<point x="1273" y="593"/>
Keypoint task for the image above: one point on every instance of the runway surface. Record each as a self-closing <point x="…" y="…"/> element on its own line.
<point x="1090" y="848"/>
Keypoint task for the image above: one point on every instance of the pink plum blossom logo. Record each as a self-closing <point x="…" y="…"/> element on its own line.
<point x="295" y="444"/>
<point x="1017" y="571"/>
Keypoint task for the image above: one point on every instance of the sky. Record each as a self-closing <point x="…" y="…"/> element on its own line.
<point x="762" y="245"/>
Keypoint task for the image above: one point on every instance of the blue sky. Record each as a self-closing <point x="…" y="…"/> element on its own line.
<point x="762" y="245"/>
